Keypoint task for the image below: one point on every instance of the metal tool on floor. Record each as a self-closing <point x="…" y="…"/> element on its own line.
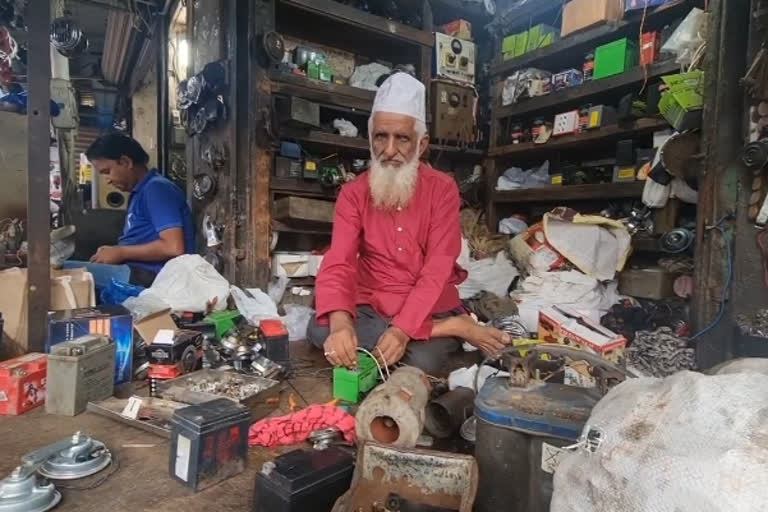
<point x="76" y="457"/>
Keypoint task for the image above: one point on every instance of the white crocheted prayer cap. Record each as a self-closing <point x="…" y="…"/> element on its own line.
<point x="401" y="94"/>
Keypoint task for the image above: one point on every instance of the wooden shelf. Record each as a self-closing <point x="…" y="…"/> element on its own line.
<point x="285" y="228"/>
<point x="579" y="139"/>
<point x="581" y="43"/>
<point x="570" y="193"/>
<point x="338" y="12"/>
<point x="592" y="88"/>
<point x="322" y="92"/>
<point x="442" y="148"/>
<point x="293" y="186"/>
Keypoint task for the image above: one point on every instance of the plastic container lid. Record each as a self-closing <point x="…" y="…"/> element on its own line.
<point x="551" y="410"/>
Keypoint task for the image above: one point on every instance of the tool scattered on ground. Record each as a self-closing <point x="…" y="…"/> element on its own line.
<point x="661" y="353"/>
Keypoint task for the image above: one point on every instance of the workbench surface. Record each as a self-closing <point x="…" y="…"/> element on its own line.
<point x="142" y="482"/>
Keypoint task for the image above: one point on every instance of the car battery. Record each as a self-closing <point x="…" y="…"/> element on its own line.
<point x="350" y="385"/>
<point x="22" y="383"/>
<point x="303" y="480"/>
<point x="298" y="112"/>
<point x="275" y="337"/>
<point x="79" y="371"/>
<point x="453" y="112"/>
<point x="209" y="443"/>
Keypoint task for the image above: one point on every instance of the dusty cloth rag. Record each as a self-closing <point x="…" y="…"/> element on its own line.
<point x="296" y="427"/>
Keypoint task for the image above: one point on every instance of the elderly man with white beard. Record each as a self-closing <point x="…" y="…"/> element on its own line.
<point x="388" y="282"/>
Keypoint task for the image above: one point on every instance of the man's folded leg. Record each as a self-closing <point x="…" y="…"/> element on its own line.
<point x="431" y="356"/>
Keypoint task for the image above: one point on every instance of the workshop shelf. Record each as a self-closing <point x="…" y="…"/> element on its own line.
<point x="596" y="136"/>
<point x="571" y="193"/>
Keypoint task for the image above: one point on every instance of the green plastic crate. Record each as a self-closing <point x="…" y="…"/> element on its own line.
<point x="615" y="58"/>
<point x="350" y="385"/>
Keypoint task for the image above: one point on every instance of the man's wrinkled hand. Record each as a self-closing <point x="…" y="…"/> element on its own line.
<point x="488" y="339"/>
<point x="341" y="347"/>
<point x="390" y="348"/>
<point x="108" y="254"/>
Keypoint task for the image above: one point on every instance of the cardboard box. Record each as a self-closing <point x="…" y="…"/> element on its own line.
<point x="69" y="289"/>
<point x="615" y="58"/>
<point x="315" y="260"/>
<point x="581" y="14"/>
<point x="113" y="321"/>
<point x="149" y="326"/>
<point x="458" y="28"/>
<point x="647" y="283"/>
<point x="650" y="47"/>
<point x="22" y="383"/>
<point x="291" y="264"/>
<point x="559" y="324"/>
<point x="631" y="5"/>
<point x="540" y="36"/>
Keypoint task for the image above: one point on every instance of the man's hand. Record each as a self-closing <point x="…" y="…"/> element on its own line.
<point x="390" y="348"/>
<point x="341" y="347"/>
<point x="491" y="341"/>
<point x="108" y="254"/>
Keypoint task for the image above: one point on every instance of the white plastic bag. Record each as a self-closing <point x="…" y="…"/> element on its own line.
<point x="277" y="287"/>
<point x="687" y="38"/>
<point x="296" y="320"/>
<point x="187" y="283"/>
<point x="683" y="192"/>
<point x="254" y="305"/>
<point x="655" y="195"/>
<point x="512" y="226"/>
<point x="346" y="128"/>
<point x="490" y="274"/>
<point x="365" y="76"/>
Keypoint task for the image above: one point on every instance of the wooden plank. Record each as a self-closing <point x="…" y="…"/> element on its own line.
<point x="581" y="139"/>
<point x="294" y="186"/>
<point x="328" y="139"/>
<point x="585" y="41"/>
<point x="294" y="209"/>
<point x="570" y="193"/>
<point x="285" y="228"/>
<point x="323" y="92"/>
<point x="339" y="12"/>
<point x="592" y="88"/>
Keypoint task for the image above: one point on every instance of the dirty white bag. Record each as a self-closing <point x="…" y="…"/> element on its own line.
<point x="296" y="320"/>
<point x="490" y="274"/>
<point x="686" y="443"/>
<point x="655" y="195"/>
<point x="187" y="283"/>
<point x="365" y="76"/>
<point x="254" y="305"/>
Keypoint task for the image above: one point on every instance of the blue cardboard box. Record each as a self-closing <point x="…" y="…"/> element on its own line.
<point x="113" y="321"/>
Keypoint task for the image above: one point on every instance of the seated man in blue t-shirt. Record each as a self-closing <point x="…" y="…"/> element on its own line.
<point x="158" y="223"/>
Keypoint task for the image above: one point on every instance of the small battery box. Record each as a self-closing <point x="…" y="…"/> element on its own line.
<point x="275" y="337"/>
<point x="209" y="443"/>
<point x="350" y="385"/>
<point x="79" y="371"/>
<point x="303" y="480"/>
<point x="22" y="383"/>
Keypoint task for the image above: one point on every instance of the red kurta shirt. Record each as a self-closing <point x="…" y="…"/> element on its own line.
<point x="402" y="263"/>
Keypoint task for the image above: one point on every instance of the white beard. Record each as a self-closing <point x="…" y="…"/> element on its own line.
<point x="393" y="186"/>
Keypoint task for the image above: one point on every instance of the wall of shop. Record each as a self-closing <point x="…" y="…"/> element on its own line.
<point x="144" y="103"/>
<point x="13" y="165"/>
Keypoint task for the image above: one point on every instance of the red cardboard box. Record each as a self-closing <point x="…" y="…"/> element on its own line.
<point x="559" y="324"/>
<point x="650" y="46"/>
<point x="22" y="383"/>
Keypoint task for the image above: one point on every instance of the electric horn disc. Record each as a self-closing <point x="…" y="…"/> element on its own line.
<point x="25" y="494"/>
<point x="84" y="458"/>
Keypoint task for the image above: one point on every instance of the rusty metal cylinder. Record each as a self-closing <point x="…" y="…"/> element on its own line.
<point x="393" y="413"/>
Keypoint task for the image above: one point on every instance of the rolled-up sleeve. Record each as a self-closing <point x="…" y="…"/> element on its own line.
<point x="442" y="249"/>
<point x="336" y="285"/>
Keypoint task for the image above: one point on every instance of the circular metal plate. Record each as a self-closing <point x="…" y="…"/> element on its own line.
<point x="25" y="495"/>
<point x="71" y="464"/>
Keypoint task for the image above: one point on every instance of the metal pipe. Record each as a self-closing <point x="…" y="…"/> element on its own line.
<point x="38" y="175"/>
<point x="164" y="120"/>
<point x="446" y="414"/>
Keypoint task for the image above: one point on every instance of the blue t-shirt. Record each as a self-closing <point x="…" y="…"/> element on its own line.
<point x="156" y="204"/>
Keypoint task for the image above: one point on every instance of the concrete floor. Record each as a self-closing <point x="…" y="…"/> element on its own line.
<point x="142" y="482"/>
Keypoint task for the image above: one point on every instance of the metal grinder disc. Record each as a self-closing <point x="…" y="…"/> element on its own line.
<point x="84" y="457"/>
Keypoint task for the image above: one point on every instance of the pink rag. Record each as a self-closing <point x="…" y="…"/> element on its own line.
<point x="295" y="428"/>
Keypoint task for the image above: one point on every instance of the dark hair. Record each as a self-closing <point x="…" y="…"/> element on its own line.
<point x="114" y="145"/>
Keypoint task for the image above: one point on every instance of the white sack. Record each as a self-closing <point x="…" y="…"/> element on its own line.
<point x="490" y="274"/>
<point x="687" y="443"/>
<point x="185" y="283"/>
<point x="365" y="76"/>
<point x="465" y="377"/>
<point x="569" y="288"/>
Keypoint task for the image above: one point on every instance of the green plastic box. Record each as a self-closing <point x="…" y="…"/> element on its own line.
<point x="350" y="385"/>
<point x="540" y="36"/>
<point x="615" y="58"/>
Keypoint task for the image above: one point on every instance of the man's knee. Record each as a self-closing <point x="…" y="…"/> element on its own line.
<point x="430" y="356"/>
<point x="317" y="334"/>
